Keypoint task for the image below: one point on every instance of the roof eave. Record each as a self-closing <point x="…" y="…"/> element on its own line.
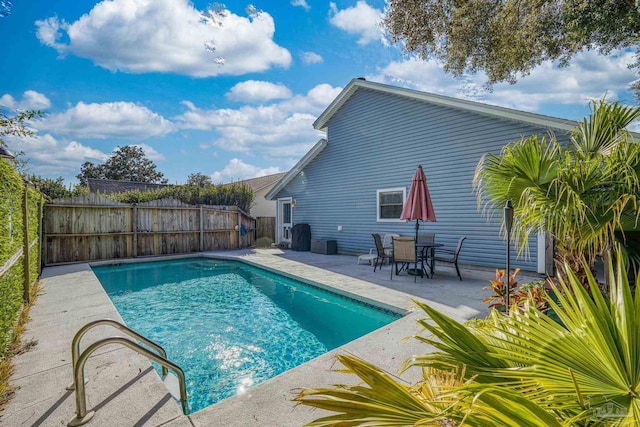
<point x="302" y="163"/>
<point x="446" y="101"/>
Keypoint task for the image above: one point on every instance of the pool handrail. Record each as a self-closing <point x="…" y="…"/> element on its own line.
<point x="75" y="344"/>
<point x="82" y="416"/>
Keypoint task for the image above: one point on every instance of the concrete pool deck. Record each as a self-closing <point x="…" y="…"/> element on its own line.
<point x="125" y="390"/>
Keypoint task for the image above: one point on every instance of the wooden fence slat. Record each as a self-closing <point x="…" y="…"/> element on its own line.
<point x="265" y="230"/>
<point x="134" y="230"/>
<point x="201" y="222"/>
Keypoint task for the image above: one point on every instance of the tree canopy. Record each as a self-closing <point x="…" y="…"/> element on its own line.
<point x="127" y="163"/>
<point x="508" y="38"/>
<point x="15" y="125"/>
<point x="199" y="180"/>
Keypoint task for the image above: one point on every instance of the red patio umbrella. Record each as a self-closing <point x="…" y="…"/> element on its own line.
<point x="418" y="204"/>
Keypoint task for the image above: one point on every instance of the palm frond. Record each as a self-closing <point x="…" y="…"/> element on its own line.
<point x="604" y="128"/>
<point x="384" y="402"/>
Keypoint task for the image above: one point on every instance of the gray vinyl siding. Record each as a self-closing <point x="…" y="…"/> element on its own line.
<point x="376" y="141"/>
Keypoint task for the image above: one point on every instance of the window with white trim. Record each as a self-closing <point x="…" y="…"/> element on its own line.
<point x="389" y="204"/>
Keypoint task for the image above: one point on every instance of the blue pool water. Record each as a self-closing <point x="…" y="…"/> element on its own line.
<point x="230" y="325"/>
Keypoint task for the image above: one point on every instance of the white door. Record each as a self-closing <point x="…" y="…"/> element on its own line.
<point x="284" y="221"/>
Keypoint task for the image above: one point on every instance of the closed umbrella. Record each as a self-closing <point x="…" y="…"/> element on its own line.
<point x="418" y="204"/>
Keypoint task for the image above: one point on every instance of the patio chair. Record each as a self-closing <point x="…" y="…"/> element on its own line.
<point x="370" y="257"/>
<point x="404" y="251"/>
<point x="426" y="237"/>
<point x="449" y="255"/>
<point x="425" y="254"/>
<point x="382" y="255"/>
<point x="386" y="242"/>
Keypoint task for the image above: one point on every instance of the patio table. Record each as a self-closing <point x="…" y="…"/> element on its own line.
<point x="426" y="250"/>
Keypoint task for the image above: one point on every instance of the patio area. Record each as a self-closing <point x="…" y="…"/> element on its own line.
<point x="123" y="388"/>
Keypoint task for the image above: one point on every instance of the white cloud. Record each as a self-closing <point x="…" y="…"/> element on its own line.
<point x="311" y="58"/>
<point x="52" y="157"/>
<point x="322" y="95"/>
<point x="107" y="120"/>
<point x="49" y="31"/>
<point x="237" y="170"/>
<point x="151" y="153"/>
<point x="361" y="20"/>
<point x="168" y="36"/>
<point x="31" y="100"/>
<point x="254" y="91"/>
<point x="427" y="76"/>
<point x="282" y="130"/>
<point x="578" y="83"/>
<point x="301" y="3"/>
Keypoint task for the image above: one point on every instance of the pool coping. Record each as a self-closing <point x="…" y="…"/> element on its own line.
<point x="268" y="403"/>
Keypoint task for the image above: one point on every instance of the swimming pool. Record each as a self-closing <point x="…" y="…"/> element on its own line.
<point x="230" y="325"/>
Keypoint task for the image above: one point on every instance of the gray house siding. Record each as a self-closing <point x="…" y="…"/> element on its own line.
<point x="376" y="141"/>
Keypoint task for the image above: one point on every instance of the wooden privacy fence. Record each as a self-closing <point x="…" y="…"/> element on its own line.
<point x="266" y="230"/>
<point x="92" y="227"/>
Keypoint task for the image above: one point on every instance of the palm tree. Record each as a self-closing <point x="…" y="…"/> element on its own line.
<point x="521" y="369"/>
<point x="586" y="195"/>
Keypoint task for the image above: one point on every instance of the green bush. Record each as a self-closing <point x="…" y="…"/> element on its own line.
<point x="236" y="194"/>
<point x="10" y="303"/>
<point x="519" y="369"/>
<point x="12" y="189"/>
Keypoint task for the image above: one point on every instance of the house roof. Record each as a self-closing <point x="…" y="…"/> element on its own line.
<point x="304" y="161"/>
<point x="4" y="153"/>
<point x="445" y="101"/>
<point x="110" y="186"/>
<point x="257" y="184"/>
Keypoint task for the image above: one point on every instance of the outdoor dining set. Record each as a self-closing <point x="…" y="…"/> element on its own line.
<point x="422" y="252"/>
<point x="421" y="249"/>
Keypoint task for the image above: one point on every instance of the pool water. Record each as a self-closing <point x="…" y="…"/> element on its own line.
<point x="230" y="325"/>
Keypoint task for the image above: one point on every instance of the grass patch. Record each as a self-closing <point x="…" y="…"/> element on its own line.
<point x="15" y="347"/>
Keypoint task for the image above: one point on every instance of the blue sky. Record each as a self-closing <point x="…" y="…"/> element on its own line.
<point x="233" y="96"/>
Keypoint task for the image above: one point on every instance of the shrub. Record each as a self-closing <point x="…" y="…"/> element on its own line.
<point x="236" y="194"/>
<point x="521" y="369"/>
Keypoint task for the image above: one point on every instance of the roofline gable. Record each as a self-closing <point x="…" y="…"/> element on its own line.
<point x="262" y="181"/>
<point x="445" y="101"/>
<point x="302" y="163"/>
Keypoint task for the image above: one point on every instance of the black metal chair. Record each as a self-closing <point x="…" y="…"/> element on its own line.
<point x="449" y="255"/>
<point x="404" y="251"/>
<point x="425" y="254"/>
<point x="380" y="250"/>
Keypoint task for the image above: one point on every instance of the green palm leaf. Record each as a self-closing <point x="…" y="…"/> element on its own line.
<point x="524" y="369"/>
<point x="586" y="196"/>
<point x="384" y="402"/>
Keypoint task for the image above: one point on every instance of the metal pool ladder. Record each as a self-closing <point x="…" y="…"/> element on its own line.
<point x="79" y="359"/>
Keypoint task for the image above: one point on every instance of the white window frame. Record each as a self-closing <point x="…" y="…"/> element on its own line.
<point x="390" y="190"/>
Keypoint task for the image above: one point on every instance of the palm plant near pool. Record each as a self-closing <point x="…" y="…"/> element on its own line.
<point x="585" y="196"/>
<point x="524" y="369"/>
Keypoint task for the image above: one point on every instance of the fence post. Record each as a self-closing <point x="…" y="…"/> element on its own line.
<point x="201" y="229"/>
<point x="134" y="229"/>
<point x="40" y="242"/>
<point x="25" y="222"/>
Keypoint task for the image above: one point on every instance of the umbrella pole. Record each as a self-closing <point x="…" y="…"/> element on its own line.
<point x="417" y="226"/>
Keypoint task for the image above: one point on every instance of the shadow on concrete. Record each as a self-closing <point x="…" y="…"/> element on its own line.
<point x="122" y="388"/>
<point x="52" y="409"/>
<point x="146" y="417"/>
